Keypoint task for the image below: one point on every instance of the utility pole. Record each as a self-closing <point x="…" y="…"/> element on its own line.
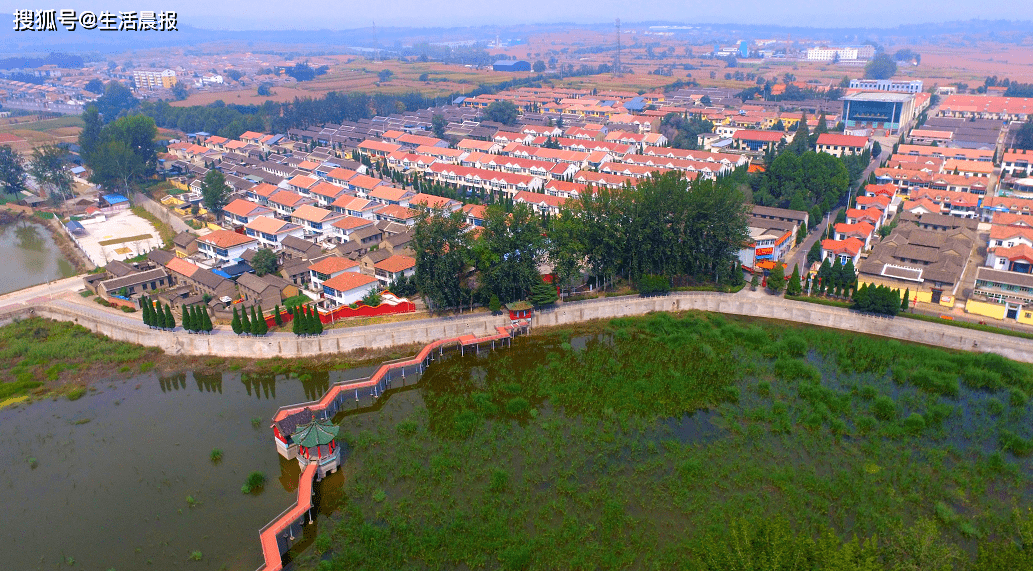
<point x="618" y="70"/>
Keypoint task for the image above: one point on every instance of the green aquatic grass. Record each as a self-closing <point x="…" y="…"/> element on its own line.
<point x="811" y="450"/>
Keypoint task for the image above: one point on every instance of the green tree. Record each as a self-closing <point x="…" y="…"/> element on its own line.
<point x="187" y="322"/>
<point x="317" y="324"/>
<point x="12" y="173"/>
<point x="794" y="287"/>
<point x="170" y="320"/>
<point x="263" y="324"/>
<point x="245" y="323"/>
<point x="237" y="324"/>
<point x="265" y="89"/>
<point x="441" y="245"/>
<point x="264" y="262"/>
<point x="385" y="75"/>
<point x="214" y="192"/>
<point x="504" y="112"/>
<point x="47" y="167"/>
<point x="1024" y="136"/>
<point x="754" y="281"/>
<point x="277" y="318"/>
<point x="776" y="278"/>
<point x="543" y="294"/>
<point x="494" y="305"/>
<point x="207" y="319"/>
<point x="89" y="137"/>
<point x="509" y="251"/>
<point x="881" y="66"/>
<point x="904" y="301"/>
<point x="144" y="311"/>
<point x="116" y="100"/>
<point x="94" y="86"/>
<point x="256" y="325"/>
<point x="438" y="124"/>
<point x="296" y="318"/>
<point x="124" y="151"/>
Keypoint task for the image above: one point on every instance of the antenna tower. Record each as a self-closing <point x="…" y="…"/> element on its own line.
<point x="376" y="46"/>
<point x="618" y="69"/>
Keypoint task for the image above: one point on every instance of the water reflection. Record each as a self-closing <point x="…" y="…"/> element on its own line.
<point x="31" y="257"/>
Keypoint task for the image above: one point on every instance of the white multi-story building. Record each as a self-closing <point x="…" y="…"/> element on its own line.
<point x="825" y="53"/>
<point x="894" y="85"/>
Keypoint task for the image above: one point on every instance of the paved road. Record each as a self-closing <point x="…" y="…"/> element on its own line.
<point x="40" y="293"/>
<point x="161" y="212"/>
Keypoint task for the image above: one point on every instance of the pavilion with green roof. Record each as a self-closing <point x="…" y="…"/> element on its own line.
<point x="317" y="442"/>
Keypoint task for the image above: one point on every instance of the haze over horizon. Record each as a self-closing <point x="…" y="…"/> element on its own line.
<point x="327" y="14"/>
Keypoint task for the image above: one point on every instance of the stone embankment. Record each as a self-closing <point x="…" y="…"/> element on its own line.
<point x="223" y="343"/>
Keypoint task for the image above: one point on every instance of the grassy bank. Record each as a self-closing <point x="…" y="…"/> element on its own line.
<point x="693" y="442"/>
<point x="38" y="356"/>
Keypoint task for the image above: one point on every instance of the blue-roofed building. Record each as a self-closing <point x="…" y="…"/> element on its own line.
<point x="635" y="104"/>
<point x="113" y="203"/>
<point x="511" y="65"/>
<point x="75" y="228"/>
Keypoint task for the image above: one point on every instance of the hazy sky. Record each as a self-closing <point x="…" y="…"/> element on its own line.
<point x="315" y="14"/>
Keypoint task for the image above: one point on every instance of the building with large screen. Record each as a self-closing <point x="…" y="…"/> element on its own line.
<point x="879" y="110"/>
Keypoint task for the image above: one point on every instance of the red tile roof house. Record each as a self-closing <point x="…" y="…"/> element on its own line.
<point x="343" y="228"/>
<point x="542" y="203"/>
<point x="873" y="216"/>
<point x="863" y="231"/>
<point x="349" y="288"/>
<point x="396" y="213"/>
<point x="316" y="221"/>
<point x="474" y="215"/>
<point x="361" y="185"/>
<point x="303" y="184"/>
<point x="434" y="202"/>
<point x="751" y="140"/>
<point x="1018" y="258"/>
<point x="261" y="192"/>
<point x="225" y="245"/>
<point x="842" y="250"/>
<point x="270" y="232"/>
<point x="389" y="195"/>
<point x="326" y="193"/>
<point x="355" y="206"/>
<point x="241" y="212"/>
<point x="392" y="269"/>
<point x="286" y="202"/>
<point x="340" y="176"/>
<point x="330" y="267"/>
<point x="377" y="148"/>
<point x="839" y="145"/>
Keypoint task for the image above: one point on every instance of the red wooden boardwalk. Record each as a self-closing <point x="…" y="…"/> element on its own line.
<point x="268" y="535"/>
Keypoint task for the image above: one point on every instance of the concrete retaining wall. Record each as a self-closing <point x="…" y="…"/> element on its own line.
<point x="226" y="344"/>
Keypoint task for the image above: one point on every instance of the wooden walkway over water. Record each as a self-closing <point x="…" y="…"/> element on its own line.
<point x="276" y="537"/>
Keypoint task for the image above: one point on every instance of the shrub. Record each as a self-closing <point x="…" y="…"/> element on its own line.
<point x="867" y="392"/>
<point x="216" y="455"/>
<point x="517" y="406"/>
<point x="255" y="481"/>
<point x="995" y="406"/>
<point x="884" y="408"/>
<point x="76" y="393"/>
<point x="914" y="423"/>
<point x="795" y="369"/>
<point x="650" y="284"/>
<point x="1015" y="444"/>
<point x="499" y="481"/>
<point x="128" y="309"/>
<point x="1017" y="397"/>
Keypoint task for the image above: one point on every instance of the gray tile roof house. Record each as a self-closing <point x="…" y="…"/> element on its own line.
<point x="259" y="290"/>
<point x="300" y="248"/>
<point x="136" y="283"/>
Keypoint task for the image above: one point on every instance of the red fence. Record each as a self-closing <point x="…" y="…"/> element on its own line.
<point x="346" y="311"/>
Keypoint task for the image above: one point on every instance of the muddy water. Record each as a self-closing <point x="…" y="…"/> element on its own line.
<point x="103" y="481"/>
<point x="30" y="257"/>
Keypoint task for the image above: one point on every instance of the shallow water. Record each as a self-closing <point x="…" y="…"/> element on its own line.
<point x="104" y="480"/>
<point x="30" y="256"/>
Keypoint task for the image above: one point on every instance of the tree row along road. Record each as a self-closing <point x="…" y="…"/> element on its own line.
<point x="224" y="343"/>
